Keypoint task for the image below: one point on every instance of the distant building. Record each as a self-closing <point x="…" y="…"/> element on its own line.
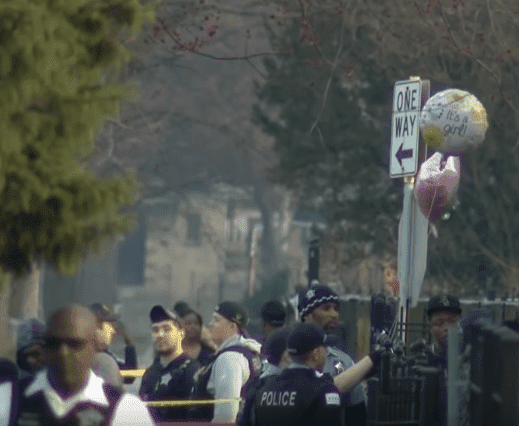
<point x="198" y="247"/>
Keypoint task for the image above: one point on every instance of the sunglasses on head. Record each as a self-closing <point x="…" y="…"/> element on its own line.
<point x="54" y="343"/>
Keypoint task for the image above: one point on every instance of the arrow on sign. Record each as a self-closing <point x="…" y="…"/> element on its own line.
<point x="401" y="154"/>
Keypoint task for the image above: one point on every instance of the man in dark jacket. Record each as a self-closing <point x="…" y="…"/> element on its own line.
<point x="170" y="377"/>
<point x="320" y="305"/>
<point x="301" y="395"/>
<point x="443" y="311"/>
<point x="273" y="317"/>
<point x="277" y="359"/>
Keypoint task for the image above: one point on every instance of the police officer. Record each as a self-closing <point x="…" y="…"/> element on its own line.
<point x="273" y="316"/>
<point x="443" y="311"/>
<point x="319" y="304"/>
<point x="277" y="359"/>
<point x="170" y="377"/>
<point x="301" y="395"/>
<point x="67" y="392"/>
<point x="235" y="363"/>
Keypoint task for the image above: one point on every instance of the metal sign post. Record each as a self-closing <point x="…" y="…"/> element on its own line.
<point x="313" y="261"/>
<point x="407" y="154"/>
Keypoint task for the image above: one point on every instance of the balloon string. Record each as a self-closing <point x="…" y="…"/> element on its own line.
<point x="435" y="192"/>
<point x="432" y="203"/>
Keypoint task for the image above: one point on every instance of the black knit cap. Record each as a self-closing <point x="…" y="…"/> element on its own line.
<point x="443" y="303"/>
<point x="159" y="313"/>
<point x="305" y="337"/>
<point x="313" y="297"/>
<point x="276" y="344"/>
<point x="234" y="312"/>
<point x="274" y="312"/>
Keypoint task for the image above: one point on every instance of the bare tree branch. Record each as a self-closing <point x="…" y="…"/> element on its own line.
<point x="325" y="95"/>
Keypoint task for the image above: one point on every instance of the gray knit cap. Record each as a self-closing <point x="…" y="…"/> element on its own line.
<point x="30" y="333"/>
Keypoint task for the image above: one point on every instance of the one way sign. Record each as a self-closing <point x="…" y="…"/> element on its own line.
<point x="405" y="131"/>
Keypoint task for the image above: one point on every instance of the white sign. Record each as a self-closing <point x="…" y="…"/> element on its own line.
<point x="412" y="248"/>
<point x="405" y="129"/>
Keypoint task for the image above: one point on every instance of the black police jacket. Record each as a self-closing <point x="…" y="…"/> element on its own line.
<point x="300" y="397"/>
<point x="173" y="382"/>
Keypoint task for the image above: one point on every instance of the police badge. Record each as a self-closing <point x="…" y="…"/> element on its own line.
<point x="339" y="367"/>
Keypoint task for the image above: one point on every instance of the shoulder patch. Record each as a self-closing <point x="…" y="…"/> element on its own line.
<point x="332" y="399"/>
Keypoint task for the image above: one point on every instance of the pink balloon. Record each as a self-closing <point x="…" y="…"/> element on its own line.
<point x="436" y="185"/>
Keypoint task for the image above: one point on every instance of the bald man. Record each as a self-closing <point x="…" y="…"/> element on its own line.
<point x="68" y="391"/>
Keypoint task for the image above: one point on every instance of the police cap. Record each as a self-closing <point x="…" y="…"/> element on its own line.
<point x="305" y="337"/>
<point x="443" y="303"/>
<point x="234" y="312"/>
<point x="274" y="312"/>
<point x="159" y="313"/>
<point x="276" y="344"/>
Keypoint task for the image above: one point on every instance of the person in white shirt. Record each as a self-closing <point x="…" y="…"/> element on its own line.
<point x="235" y="363"/>
<point x="8" y="379"/>
<point x="68" y="391"/>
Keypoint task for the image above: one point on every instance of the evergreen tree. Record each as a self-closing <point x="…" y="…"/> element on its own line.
<point x="59" y="67"/>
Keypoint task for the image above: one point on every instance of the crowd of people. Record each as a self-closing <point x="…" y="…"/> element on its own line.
<point x="298" y="374"/>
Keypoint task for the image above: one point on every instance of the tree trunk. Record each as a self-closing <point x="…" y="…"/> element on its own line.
<point x="268" y="248"/>
<point x="25" y="295"/>
<point x="19" y="301"/>
<point x="7" y="344"/>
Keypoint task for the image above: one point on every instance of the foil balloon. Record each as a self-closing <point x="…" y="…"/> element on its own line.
<point x="453" y="121"/>
<point x="436" y="185"/>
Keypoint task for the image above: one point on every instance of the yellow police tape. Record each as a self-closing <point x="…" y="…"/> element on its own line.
<point x="140" y="373"/>
<point x="133" y="373"/>
<point x="191" y="402"/>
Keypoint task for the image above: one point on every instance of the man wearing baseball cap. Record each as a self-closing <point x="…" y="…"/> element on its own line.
<point x="443" y="311"/>
<point x="277" y="359"/>
<point x="320" y="304"/>
<point x="235" y="363"/>
<point x="301" y="394"/>
<point x="273" y="317"/>
<point x="109" y="325"/>
<point x="170" y="377"/>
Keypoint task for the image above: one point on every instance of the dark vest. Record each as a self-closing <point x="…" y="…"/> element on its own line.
<point x="34" y="411"/>
<point x="246" y="418"/>
<point x="298" y="397"/>
<point x="205" y="413"/>
<point x="175" y="382"/>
